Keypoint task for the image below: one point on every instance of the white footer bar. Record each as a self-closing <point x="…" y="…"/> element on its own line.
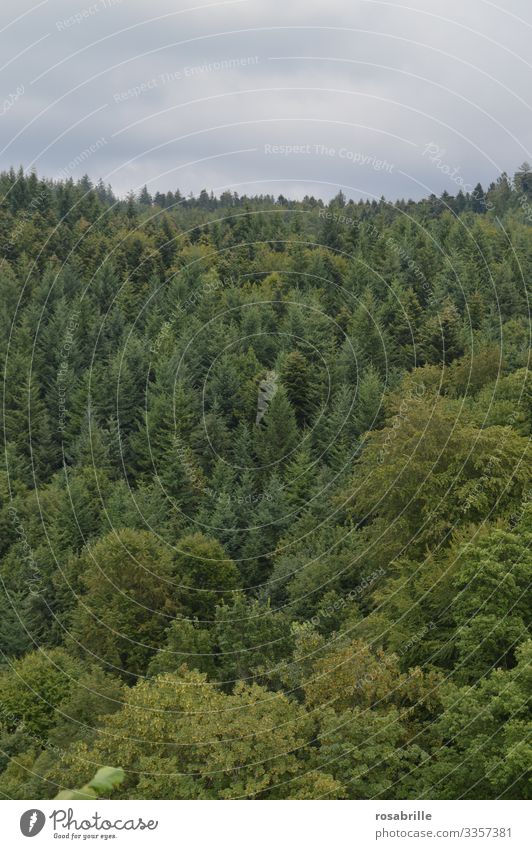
<point x="267" y="825"/>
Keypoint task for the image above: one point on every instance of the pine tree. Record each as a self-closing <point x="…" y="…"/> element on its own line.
<point x="301" y="387"/>
<point x="277" y="436"/>
<point x="442" y="335"/>
<point x="368" y="412"/>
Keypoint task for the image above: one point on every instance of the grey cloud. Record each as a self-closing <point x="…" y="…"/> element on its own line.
<point x="360" y="88"/>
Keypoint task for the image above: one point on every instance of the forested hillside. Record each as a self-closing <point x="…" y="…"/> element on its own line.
<point x="265" y="503"/>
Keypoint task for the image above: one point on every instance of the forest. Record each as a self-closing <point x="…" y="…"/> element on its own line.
<point x="265" y="501"/>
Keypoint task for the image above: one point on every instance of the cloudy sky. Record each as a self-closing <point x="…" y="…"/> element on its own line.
<point x="376" y="97"/>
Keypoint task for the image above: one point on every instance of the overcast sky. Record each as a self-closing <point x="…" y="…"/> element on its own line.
<point x="281" y="96"/>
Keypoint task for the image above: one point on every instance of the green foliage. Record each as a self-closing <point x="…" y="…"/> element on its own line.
<point x="301" y="386"/>
<point x="277" y="437"/>
<point x="243" y="744"/>
<point x="33" y="687"/>
<point x="265" y="520"/>
<point x="102" y="783"/>
<point x="249" y="636"/>
<point x="206" y="575"/>
<point x="130" y="596"/>
<point x="485" y="735"/>
<point x="425" y="471"/>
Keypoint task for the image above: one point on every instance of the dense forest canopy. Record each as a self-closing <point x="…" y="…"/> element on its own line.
<point x="265" y="504"/>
